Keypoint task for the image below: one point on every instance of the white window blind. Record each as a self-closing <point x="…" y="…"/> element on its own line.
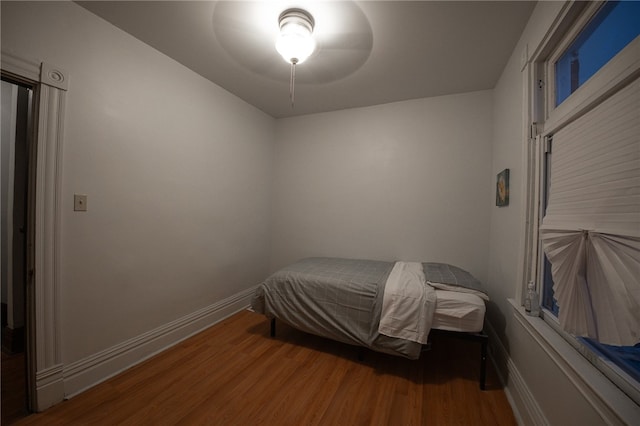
<point x="591" y="230"/>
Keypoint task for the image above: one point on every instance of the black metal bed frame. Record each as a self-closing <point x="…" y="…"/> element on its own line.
<point x="480" y="337"/>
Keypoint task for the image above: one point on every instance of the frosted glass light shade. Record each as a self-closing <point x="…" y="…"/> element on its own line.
<point x="295" y="42"/>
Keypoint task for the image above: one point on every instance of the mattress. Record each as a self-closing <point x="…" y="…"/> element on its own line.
<point x="456" y="311"/>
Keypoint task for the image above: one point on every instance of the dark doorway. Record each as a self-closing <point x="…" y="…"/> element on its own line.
<point x="16" y="136"/>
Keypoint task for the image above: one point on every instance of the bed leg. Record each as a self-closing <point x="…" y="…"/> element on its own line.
<point x="483" y="363"/>
<point x="272" y="331"/>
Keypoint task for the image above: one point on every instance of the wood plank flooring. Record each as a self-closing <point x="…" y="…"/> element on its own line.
<point x="13" y="391"/>
<point x="235" y="374"/>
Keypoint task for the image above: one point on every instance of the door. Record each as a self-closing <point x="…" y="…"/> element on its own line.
<point x="16" y="137"/>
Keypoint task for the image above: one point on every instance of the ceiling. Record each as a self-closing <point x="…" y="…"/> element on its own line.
<point x="369" y="52"/>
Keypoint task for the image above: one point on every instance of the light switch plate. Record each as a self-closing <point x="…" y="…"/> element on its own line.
<point x="79" y="203"/>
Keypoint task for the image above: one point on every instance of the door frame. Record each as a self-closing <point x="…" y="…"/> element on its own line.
<point x="43" y="343"/>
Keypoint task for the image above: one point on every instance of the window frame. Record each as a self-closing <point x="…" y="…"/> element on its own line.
<point x="619" y="71"/>
<point x="545" y="118"/>
<point x="550" y="71"/>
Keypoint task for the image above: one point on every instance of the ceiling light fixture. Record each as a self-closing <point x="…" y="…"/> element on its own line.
<point x="295" y="42"/>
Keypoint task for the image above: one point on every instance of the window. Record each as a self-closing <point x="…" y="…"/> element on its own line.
<point x="610" y="30"/>
<point x="590" y="189"/>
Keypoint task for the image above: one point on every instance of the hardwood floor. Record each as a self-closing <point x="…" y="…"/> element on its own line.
<point x="235" y="374"/>
<point x="13" y="388"/>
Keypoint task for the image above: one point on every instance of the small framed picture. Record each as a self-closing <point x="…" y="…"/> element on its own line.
<point x="502" y="189"/>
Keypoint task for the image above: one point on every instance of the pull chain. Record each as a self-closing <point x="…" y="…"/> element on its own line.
<point x="292" y="82"/>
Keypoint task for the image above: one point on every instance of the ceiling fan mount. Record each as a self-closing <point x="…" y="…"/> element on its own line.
<point x="298" y="17"/>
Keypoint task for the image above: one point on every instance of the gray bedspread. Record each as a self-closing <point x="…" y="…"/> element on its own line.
<point x="337" y="298"/>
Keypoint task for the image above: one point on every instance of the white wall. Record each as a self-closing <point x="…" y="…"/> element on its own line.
<point x="177" y="173"/>
<point x="406" y="180"/>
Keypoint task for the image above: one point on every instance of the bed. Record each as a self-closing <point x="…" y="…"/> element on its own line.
<point x="389" y="307"/>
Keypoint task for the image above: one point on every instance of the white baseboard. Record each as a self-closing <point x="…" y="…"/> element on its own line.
<point x="49" y="387"/>
<point x="88" y="372"/>
<point x="524" y="405"/>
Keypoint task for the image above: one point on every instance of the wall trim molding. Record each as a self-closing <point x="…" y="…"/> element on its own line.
<point x="85" y="373"/>
<point x="613" y="405"/>
<point x="608" y="400"/>
<point x="518" y="386"/>
<point x="524" y="405"/>
<point x="54" y="76"/>
<point x="49" y="386"/>
<point x="43" y="282"/>
<point x="20" y="67"/>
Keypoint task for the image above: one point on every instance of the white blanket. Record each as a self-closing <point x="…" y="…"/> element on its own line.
<point x="408" y="304"/>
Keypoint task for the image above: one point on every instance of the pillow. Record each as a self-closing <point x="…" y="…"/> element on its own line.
<point x="448" y="277"/>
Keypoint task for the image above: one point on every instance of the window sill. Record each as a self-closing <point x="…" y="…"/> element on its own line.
<point x="608" y="400"/>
